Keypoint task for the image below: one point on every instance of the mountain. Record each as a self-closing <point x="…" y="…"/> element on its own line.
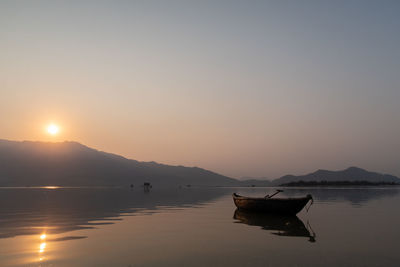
<point x="350" y="174"/>
<point x="66" y="163"/>
<point x="29" y="163"/>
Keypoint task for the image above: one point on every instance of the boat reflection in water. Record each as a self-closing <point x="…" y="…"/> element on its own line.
<point x="283" y="225"/>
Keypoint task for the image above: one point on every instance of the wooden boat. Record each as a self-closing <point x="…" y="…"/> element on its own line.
<point x="286" y="206"/>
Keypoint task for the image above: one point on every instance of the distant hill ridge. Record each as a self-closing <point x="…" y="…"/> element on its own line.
<point x="350" y="174"/>
<point x="69" y="163"/>
<point x="29" y="163"/>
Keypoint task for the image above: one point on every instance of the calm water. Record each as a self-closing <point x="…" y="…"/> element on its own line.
<point x="195" y="227"/>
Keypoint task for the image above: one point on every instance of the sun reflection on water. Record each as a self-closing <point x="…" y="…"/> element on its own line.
<point x="42" y="246"/>
<point x="51" y="187"/>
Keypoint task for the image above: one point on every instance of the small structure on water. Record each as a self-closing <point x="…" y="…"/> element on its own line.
<point x="147" y="186"/>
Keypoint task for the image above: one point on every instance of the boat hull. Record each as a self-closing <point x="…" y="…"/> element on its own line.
<point x="286" y="206"/>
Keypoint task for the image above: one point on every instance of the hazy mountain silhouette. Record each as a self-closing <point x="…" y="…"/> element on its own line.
<point x="349" y="174"/>
<point x="72" y="164"/>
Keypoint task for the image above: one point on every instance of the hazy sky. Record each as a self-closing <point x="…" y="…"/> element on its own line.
<point x="243" y="88"/>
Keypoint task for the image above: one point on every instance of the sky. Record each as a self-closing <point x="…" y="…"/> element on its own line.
<point x="242" y="88"/>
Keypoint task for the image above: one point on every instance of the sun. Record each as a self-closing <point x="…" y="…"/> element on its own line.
<point x="53" y="129"/>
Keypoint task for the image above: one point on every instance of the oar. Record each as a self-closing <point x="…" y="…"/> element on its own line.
<point x="277" y="192"/>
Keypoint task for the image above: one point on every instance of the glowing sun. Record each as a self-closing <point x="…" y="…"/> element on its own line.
<point x="53" y="129"/>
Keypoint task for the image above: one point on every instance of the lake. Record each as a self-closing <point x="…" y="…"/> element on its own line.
<point x="196" y="227"/>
